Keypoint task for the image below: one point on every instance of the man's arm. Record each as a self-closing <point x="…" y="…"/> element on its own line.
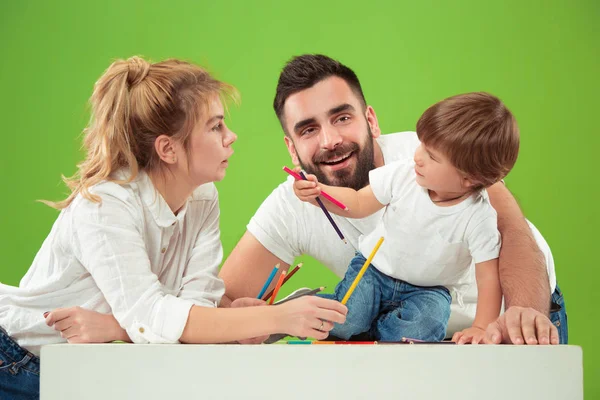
<point x="523" y="273"/>
<point x="247" y="268"/>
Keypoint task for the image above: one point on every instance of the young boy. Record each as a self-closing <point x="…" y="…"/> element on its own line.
<point x="437" y="219"/>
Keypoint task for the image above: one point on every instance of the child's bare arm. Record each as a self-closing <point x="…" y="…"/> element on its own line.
<point x="489" y="300"/>
<point x="361" y="203"/>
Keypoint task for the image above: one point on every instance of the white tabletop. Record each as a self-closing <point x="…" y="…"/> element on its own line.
<point x="286" y="372"/>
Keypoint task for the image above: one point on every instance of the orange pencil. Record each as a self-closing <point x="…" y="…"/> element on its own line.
<point x="279" y="282"/>
<point x="287" y="278"/>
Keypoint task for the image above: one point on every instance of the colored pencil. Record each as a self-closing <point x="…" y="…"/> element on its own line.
<point x="311" y="293"/>
<point x="328" y="197"/>
<point x="299" y="342"/>
<point x="287" y="278"/>
<point x="362" y="271"/>
<point x="278" y="286"/>
<point x="418" y="341"/>
<point x="343" y="342"/>
<point x="326" y="212"/>
<point x="268" y="282"/>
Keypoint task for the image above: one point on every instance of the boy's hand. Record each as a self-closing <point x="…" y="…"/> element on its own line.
<point x="307" y="190"/>
<point x="473" y="335"/>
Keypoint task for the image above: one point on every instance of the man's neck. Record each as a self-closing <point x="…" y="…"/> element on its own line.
<point x="378" y="154"/>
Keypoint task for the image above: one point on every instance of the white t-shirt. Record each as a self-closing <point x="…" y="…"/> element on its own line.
<point x="426" y="244"/>
<point x="289" y="228"/>
<point x="130" y="256"/>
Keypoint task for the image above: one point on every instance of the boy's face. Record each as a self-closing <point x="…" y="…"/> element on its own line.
<point x="434" y="172"/>
<point x="331" y="133"/>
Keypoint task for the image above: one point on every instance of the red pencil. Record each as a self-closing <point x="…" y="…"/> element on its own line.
<point x="328" y="197"/>
<point x="287" y="278"/>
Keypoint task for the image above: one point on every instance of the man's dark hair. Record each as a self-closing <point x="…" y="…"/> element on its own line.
<point x="303" y="72"/>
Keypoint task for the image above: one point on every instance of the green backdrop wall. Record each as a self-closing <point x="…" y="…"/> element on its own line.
<point x="541" y="57"/>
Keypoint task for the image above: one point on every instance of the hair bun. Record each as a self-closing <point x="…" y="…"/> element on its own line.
<point x="138" y="70"/>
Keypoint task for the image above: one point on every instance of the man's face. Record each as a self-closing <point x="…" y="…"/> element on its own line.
<point x="331" y="133"/>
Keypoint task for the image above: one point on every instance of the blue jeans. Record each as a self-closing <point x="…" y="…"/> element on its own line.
<point x="390" y="308"/>
<point x="558" y="315"/>
<point x="19" y="371"/>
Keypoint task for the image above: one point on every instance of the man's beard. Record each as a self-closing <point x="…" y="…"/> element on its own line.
<point x="364" y="163"/>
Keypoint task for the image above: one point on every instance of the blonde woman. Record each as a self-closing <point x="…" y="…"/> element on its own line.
<point x="135" y="250"/>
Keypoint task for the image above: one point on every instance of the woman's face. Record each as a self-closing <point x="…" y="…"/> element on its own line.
<point x="209" y="147"/>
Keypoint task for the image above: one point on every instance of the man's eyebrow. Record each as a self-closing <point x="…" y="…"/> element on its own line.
<point x="335" y="110"/>
<point x="340" y="108"/>
<point x="301" y="124"/>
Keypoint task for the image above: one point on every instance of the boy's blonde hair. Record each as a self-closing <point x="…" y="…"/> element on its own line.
<point x="133" y="103"/>
<point x="477" y="133"/>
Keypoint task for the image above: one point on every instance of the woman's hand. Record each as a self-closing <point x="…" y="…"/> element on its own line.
<point x="311" y="316"/>
<point x="79" y="325"/>
<point x="250" y="302"/>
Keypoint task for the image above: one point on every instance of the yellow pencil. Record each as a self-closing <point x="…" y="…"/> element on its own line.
<point x="362" y="271"/>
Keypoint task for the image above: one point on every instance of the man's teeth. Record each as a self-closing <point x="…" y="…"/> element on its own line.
<point x="337" y="160"/>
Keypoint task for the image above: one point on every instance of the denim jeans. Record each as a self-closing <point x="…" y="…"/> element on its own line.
<point x="19" y="371"/>
<point x="558" y="315"/>
<point x="390" y="308"/>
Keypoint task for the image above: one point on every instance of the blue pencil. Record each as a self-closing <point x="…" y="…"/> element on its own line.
<point x="320" y="203"/>
<point x="268" y="282"/>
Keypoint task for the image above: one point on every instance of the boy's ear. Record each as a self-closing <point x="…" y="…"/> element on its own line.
<point x="468" y="182"/>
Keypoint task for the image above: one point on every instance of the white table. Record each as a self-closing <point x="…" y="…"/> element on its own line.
<point x="286" y="372"/>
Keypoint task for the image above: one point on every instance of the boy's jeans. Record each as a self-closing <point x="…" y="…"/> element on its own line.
<point x="19" y="371"/>
<point x="391" y="308"/>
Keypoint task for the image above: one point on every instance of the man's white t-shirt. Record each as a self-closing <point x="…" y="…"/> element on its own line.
<point x="289" y="228"/>
<point x="427" y="244"/>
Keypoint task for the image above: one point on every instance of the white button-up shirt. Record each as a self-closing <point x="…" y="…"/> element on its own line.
<point x="130" y="256"/>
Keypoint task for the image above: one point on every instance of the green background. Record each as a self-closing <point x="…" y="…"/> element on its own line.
<point x="540" y="57"/>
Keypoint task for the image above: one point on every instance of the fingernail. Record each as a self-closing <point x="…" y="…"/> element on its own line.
<point x="46" y="314"/>
<point x="518" y="341"/>
<point x="495" y="338"/>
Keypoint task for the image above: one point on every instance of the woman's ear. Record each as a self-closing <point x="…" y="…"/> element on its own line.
<point x="165" y="148"/>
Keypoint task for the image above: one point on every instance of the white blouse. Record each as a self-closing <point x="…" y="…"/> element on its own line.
<point x="129" y="256"/>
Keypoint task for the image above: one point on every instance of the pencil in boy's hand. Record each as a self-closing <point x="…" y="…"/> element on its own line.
<point x="327" y="196"/>
<point x="320" y="203"/>
<point x="268" y="282"/>
<point x="278" y="286"/>
<point x="287" y="278"/>
<point x="362" y="271"/>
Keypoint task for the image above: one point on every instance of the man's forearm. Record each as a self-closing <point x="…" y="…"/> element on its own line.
<point x="523" y="273"/>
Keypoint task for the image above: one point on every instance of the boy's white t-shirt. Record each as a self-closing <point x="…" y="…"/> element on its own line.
<point x="427" y="244"/>
<point x="290" y="228"/>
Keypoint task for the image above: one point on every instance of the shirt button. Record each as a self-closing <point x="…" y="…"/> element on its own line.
<point x="163" y="250"/>
<point x="142" y="330"/>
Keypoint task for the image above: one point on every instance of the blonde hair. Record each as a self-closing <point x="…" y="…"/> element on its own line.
<point x="133" y="103"/>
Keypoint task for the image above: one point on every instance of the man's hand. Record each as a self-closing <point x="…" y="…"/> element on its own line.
<point x="519" y="325"/>
<point x="249" y="302"/>
<point x="79" y="325"/>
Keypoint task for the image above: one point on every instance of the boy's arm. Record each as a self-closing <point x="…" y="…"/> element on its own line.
<point x="360" y="204"/>
<point x="489" y="297"/>
<point x="489" y="301"/>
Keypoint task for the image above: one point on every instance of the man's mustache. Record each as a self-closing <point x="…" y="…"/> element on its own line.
<point x="327" y="155"/>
